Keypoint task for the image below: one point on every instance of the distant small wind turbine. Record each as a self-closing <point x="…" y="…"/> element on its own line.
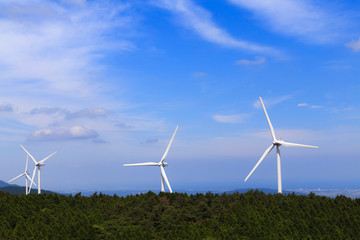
<point x="27" y="177"/>
<point x="37" y="165"/>
<point x="277" y="143"/>
<point x="161" y="164"/>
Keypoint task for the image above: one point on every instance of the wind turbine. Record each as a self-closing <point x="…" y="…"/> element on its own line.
<point x="161" y="164"/>
<point x="27" y="177"/>
<point x="37" y="165"/>
<point x="277" y="143"/>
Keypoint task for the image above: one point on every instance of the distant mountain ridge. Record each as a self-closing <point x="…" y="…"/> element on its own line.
<point x="124" y="193"/>
<point x="5" y="184"/>
<point x="16" y="189"/>
<point x="352" y="193"/>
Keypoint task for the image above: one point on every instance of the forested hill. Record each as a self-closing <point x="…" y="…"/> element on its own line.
<point x="16" y="189"/>
<point x="251" y="215"/>
<point x="21" y="190"/>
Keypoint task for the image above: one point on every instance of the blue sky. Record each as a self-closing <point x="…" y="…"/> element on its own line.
<point x="105" y="83"/>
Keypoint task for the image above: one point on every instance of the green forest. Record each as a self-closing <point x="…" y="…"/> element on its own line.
<point x="251" y="215"/>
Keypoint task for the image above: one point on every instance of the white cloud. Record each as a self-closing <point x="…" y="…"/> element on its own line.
<point x="354" y="45"/>
<point x="271" y="102"/>
<point x="256" y="61"/>
<point x="199" y="20"/>
<point x="235" y="118"/>
<point x="300" y="18"/>
<point x="52" y="49"/>
<point x="73" y="133"/>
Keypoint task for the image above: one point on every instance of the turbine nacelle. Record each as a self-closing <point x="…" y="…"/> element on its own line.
<point x="278" y="142"/>
<point x="164" y="164"/>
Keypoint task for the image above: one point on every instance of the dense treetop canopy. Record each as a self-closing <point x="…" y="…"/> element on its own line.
<point x="252" y="215"/>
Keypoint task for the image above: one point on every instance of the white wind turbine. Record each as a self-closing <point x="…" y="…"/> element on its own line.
<point x="161" y="164"/>
<point x="37" y="165"/>
<point x="277" y="143"/>
<point x="27" y="177"/>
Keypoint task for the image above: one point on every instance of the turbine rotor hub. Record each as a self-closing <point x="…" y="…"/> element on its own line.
<point x="278" y="142"/>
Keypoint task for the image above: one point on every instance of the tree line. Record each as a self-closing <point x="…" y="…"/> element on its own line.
<point x="250" y="215"/>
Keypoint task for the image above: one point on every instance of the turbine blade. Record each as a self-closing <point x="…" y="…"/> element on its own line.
<point x="261" y="159"/>
<point x="27" y="176"/>
<point x="268" y="120"/>
<point x="141" y="164"/>
<point x="27" y="160"/>
<point x="29" y="154"/>
<point x="288" y="144"/>
<point x="163" y="174"/>
<point x="17" y="177"/>
<point x="47" y="158"/>
<point x="168" y="147"/>
<point x="32" y="179"/>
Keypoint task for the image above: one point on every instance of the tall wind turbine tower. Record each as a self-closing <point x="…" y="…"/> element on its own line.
<point x="161" y="164"/>
<point x="27" y="177"/>
<point x="276" y="142"/>
<point x="37" y="166"/>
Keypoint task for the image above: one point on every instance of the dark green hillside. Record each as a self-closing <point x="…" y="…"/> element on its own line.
<point x="251" y="215"/>
<point x="14" y="189"/>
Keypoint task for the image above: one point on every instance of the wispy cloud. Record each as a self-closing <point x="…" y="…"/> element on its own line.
<point x="122" y="125"/>
<point x="338" y="65"/>
<point x="235" y="118"/>
<point x="303" y="105"/>
<point x="354" y="45"/>
<point x="292" y="134"/>
<point x="309" y="106"/>
<point x="316" y="106"/>
<point x="200" y="21"/>
<point x="256" y="61"/>
<point x="51" y="48"/>
<point x="151" y="141"/>
<point x="48" y="111"/>
<point x="272" y="101"/>
<point x="75" y="2"/>
<point x="6" y="107"/>
<point x="88" y="113"/>
<point x="68" y="115"/>
<point x="73" y="133"/>
<point x="304" y="19"/>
